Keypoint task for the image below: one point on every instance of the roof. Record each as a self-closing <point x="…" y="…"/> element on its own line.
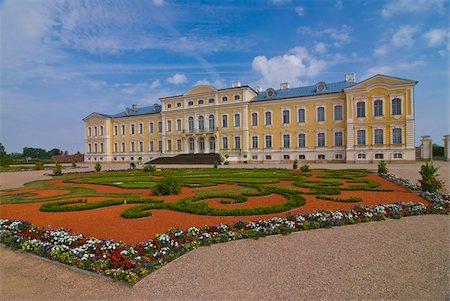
<point x="156" y="108"/>
<point x="388" y="77"/>
<point x="304" y="91"/>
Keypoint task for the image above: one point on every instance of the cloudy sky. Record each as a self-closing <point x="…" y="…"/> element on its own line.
<point x="61" y="60"/>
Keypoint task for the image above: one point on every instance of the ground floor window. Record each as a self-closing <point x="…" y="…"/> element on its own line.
<point x="398" y="156"/>
<point x="379" y="156"/>
<point x="255" y="157"/>
<point x="338" y="156"/>
<point x="302" y="157"/>
<point x="286" y="157"/>
<point x="268" y="157"/>
<point x="321" y="157"/>
<point x="361" y="156"/>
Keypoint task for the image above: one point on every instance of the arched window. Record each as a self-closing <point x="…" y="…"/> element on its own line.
<point x="212" y="145"/>
<point x="301" y="115"/>
<point x="201" y="123"/>
<point x="212" y="122"/>
<point x="378" y="107"/>
<point x="286" y="116"/>
<point x="301" y="157"/>
<point x="200" y="101"/>
<point x="360" y="109"/>
<point x="254" y="119"/>
<point x="320" y="114"/>
<point x="268" y="116"/>
<point x="237" y="120"/>
<point x="191" y="145"/>
<point x="191" y="124"/>
<point x="396" y="106"/>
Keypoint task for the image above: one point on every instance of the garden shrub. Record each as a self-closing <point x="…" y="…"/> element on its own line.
<point x="305" y="168"/>
<point x="295" y="164"/>
<point x="382" y="167"/>
<point x="98" y="167"/>
<point x="351" y="199"/>
<point x="167" y="186"/>
<point x="57" y="171"/>
<point x="39" y="165"/>
<point x="429" y="181"/>
<point x="149" y="168"/>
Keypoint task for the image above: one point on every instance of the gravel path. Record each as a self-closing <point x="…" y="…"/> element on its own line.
<point x="406" y="259"/>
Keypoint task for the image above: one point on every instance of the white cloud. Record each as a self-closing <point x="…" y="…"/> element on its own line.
<point x="390" y="69"/>
<point x="155" y="84"/>
<point x="404" y="36"/>
<point x="339" y="4"/>
<point x="436" y="37"/>
<point x="381" y="51"/>
<point x="291" y="67"/>
<point x="280" y="2"/>
<point x="320" y="47"/>
<point x="177" y="79"/>
<point x="339" y="35"/>
<point x="395" y="7"/>
<point x="300" y="10"/>
<point x="158" y="2"/>
<point x="218" y="83"/>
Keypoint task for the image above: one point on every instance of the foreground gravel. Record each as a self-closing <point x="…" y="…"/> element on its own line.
<point x="406" y="259"/>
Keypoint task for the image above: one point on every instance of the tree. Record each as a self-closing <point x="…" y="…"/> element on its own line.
<point x="2" y="150"/>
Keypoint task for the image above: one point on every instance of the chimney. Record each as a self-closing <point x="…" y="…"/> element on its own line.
<point x="350" y="77"/>
<point x="284" y="86"/>
<point x="235" y="84"/>
<point x="134" y="106"/>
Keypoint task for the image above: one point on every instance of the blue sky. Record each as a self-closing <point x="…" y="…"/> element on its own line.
<point x="62" y="60"/>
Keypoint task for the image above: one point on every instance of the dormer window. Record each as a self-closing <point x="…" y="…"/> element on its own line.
<point x="169" y="105"/>
<point x="211" y="100"/>
<point x="200" y="101"/>
<point x="270" y="92"/>
<point x="190" y="103"/>
<point x="178" y="104"/>
<point x="237" y="97"/>
<point x="224" y="99"/>
<point x="321" y="86"/>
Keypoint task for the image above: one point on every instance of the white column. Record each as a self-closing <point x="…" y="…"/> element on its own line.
<point x="426" y="148"/>
<point x="447" y="147"/>
<point x="207" y="145"/>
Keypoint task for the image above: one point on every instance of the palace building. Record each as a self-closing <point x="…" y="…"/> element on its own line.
<point x="345" y="121"/>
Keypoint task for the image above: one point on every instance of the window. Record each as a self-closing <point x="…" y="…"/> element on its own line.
<point x="320" y="114"/>
<point x="398" y="156"/>
<point x="116" y="147"/>
<point x="123" y="129"/>
<point x="321" y="139"/>
<point x="321" y="157"/>
<point x="378" y="137"/>
<point x="152" y="146"/>
<point x="101" y="130"/>
<point x="254" y="157"/>
<point x="141" y="146"/>
<point x="95" y="131"/>
<point x="191" y="145"/>
<point x="301" y="115"/>
<point x="132" y="147"/>
<point x="160" y="146"/>
<point x="396" y="106"/>
<point x="224" y="121"/>
<point x="140" y="128"/>
<point x="211" y="100"/>
<point x="237" y="97"/>
<point x="286" y="141"/>
<point x="361" y="156"/>
<point x="89" y="148"/>
<point x="200" y="101"/>
<point x="379" y="156"/>
<point x="123" y="147"/>
<point x="268" y="141"/>
<point x="301" y="157"/>
<point x="151" y="127"/>
<point x="191" y="124"/>
<point x="268" y="157"/>
<point x="190" y="103"/>
<point x="397" y="136"/>
<point x="361" y="137"/>
<point x="378" y="108"/>
<point x="225" y="142"/>
<point x="89" y="131"/>
<point x="132" y="129"/>
<point x="360" y="109"/>
<point x="224" y="98"/>
<point x="160" y="126"/>
<point x="178" y="104"/>
<point x="338" y="113"/>
<point x="201" y="123"/>
<point x="286" y="157"/>
<point x="237" y="120"/>
<point x="178" y="144"/>
<point x="338" y="139"/>
<point x="169" y="145"/>
<point x="212" y="144"/>
<point x="95" y="148"/>
<point x="338" y="156"/>
<point x="178" y="124"/>
<point x="169" y="105"/>
<point x="286" y="116"/>
<point x="301" y="140"/>
<point x="237" y="142"/>
<point x="254" y="119"/>
<point x="116" y="130"/>
<point x="212" y="122"/>
<point x="254" y="141"/>
<point x="268" y="116"/>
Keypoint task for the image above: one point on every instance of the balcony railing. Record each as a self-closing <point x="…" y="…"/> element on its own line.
<point x="203" y="130"/>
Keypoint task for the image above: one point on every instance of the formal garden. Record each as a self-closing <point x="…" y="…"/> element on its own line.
<point x="126" y="224"/>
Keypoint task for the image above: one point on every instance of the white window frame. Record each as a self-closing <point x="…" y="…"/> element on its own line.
<point x="324" y="113"/>
<point x="304" y="115"/>
<point x="265" y="118"/>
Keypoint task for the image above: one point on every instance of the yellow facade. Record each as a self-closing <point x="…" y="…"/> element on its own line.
<point x="344" y="122"/>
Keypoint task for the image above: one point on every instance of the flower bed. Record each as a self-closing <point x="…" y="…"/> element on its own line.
<point x="130" y="263"/>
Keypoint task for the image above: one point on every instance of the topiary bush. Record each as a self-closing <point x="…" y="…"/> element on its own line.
<point x="149" y="168"/>
<point x="39" y="165"/>
<point x="305" y="168"/>
<point x="98" y="167"/>
<point x="295" y="164"/>
<point x="382" y="167"/>
<point x="429" y="181"/>
<point x="57" y="171"/>
<point x="167" y="186"/>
